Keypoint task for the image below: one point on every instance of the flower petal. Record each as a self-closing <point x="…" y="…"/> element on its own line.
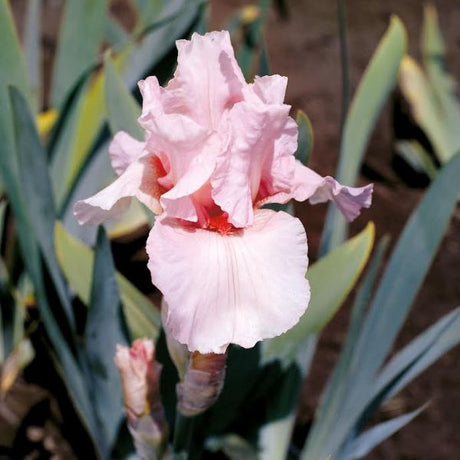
<point x="208" y="78"/>
<point x="270" y="89"/>
<point x="138" y="180"/>
<point x="230" y="288"/>
<point x="124" y="150"/>
<point x="189" y="151"/>
<point x="309" y="185"/>
<point x="260" y="138"/>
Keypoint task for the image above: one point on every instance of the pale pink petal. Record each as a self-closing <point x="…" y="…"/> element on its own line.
<point x="310" y="185"/>
<point x="269" y="89"/>
<point x="208" y="78"/>
<point x="190" y="151"/>
<point x="237" y="288"/>
<point x="179" y="202"/>
<point x="178" y="138"/>
<point x="260" y="137"/>
<point x="157" y="101"/>
<point x="138" y="180"/>
<point x="124" y="150"/>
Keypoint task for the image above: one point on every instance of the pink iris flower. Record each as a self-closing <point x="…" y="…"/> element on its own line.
<point x="216" y="149"/>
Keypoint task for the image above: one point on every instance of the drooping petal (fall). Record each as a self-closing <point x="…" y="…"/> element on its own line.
<point x="138" y="180"/>
<point x="239" y="287"/>
<point x="309" y="185"/>
<point x="124" y="150"/>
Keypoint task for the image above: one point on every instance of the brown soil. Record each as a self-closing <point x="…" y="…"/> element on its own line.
<point x="305" y="47"/>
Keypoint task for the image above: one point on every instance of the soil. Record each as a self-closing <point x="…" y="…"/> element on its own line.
<point x="305" y="47"/>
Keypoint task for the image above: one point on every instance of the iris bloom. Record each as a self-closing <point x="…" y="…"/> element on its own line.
<point x="216" y="149"/>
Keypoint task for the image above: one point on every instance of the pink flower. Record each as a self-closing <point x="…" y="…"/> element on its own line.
<point x="215" y="150"/>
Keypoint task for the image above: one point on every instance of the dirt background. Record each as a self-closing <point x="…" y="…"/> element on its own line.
<point x="305" y="48"/>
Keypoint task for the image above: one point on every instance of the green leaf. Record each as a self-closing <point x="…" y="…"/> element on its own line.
<point x="365" y="442"/>
<point x="432" y="96"/>
<point x="32" y="50"/>
<point x="418" y="355"/>
<point x="417" y="157"/>
<point x="264" y="62"/>
<point x="7" y="315"/>
<point x="331" y="279"/>
<point x="104" y="330"/>
<point x="81" y="34"/>
<point x="77" y="138"/>
<point x="37" y="191"/>
<point x="12" y="71"/>
<point x="30" y="252"/>
<point x="432" y="115"/>
<point x="305" y="143"/>
<point x="434" y="54"/>
<point x="116" y="35"/>
<point x="76" y="259"/>
<point x="148" y="10"/>
<point x="122" y="109"/>
<point x="375" y="86"/>
<point x="3" y="205"/>
<point x="157" y="38"/>
<point x="433" y="47"/>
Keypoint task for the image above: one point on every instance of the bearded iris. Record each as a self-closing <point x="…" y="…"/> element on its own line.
<point x="215" y="150"/>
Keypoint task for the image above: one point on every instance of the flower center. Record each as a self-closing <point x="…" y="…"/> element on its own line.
<point x="219" y="223"/>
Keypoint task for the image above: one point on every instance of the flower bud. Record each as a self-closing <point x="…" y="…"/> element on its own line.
<point x="202" y="384"/>
<point x="140" y="375"/>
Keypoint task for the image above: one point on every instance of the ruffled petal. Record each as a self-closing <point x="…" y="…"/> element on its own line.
<point x="179" y="202"/>
<point x="124" y="150"/>
<point x="189" y="152"/>
<point x="260" y="138"/>
<point x="269" y="89"/>
<point x="208" y="78"/>
<point x="309" y="185"/>
<point x="179" y="139"/>
<point x="237" y="288"/>
<point x="138" y="180"/>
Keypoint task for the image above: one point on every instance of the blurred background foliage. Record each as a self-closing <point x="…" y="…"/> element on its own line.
<point x="69" y="293"/>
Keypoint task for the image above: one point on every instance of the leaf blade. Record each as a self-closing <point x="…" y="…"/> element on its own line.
<point x="378" y="80"/>
<point x="104" y="330"/>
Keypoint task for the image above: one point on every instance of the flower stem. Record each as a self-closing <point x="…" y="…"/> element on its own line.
<point x="183" y="430"/>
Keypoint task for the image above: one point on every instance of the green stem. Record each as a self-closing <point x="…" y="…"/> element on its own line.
<point x="183" y="430"/>
<point x="341" y="19"/>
